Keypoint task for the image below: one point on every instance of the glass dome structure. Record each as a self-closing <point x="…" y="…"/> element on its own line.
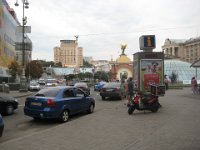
<point x="182" y="69"/>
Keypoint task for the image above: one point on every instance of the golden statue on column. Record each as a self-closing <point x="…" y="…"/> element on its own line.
<point x="123" y="47"/>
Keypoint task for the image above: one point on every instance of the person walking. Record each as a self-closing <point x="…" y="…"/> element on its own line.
<point x="130" y="90"/>
<point x="194" y="85"/>
<point x="122" y="88"/>
<point x="166" y="81"/>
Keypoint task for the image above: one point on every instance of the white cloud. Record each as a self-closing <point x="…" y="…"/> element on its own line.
<point x="104" y="24"/>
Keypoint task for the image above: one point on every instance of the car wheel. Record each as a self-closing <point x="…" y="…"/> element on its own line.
<point x="155" y="108"/>
<point x="65" y="116"/>
<point x="91" y="109"/>
<point x="103" y="97"/>
<point x="36" y="118"/>
<point x="9" y="109"/>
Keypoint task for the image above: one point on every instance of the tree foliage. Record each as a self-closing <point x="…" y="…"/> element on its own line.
<point x="34" y="69"/>
<point x="50" y="63"/>
<point x="101" y="75"/>
<point x="14" y="69"/>
<point x="86" y="64"/>
<point x="47" y="63"/>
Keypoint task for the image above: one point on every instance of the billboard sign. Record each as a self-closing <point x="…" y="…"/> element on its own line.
<point x="27" y="29"/>
<point x="151" y="72"/>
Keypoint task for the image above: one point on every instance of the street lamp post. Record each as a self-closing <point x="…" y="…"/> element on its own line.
<point x="23" y="81"/>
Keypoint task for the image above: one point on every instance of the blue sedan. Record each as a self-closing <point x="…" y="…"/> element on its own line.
<point x="58" y="102"/>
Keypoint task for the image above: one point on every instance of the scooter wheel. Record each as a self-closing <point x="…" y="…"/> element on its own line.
<point x="131" y="110"/>
<point x="155" y="108"/>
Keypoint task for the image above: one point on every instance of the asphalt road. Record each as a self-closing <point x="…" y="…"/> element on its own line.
<point x="175" y="126"/>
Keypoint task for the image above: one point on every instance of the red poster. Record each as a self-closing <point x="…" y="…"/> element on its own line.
<point x="151" y="79"/>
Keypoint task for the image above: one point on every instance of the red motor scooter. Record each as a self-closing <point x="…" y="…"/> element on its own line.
<point x="144" y="102"/>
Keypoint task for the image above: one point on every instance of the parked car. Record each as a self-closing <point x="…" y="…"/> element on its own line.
<point x="98" y="86"/>
<point x="1" y="125"/>
<point x="58" y="102"/>
<point x="42" y="82"/>
<point x="111" y="89"/>
<point x="51" y="82"/>
<point x="83" y="86"/>
<point x="34" y="86"/>
<point x="8" y="104"/>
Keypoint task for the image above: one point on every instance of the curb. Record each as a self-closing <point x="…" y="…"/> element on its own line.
<point x="22" y="95"/>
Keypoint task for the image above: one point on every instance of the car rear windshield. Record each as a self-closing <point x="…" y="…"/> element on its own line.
<point x="51" y="81"/>
<point x="33" y="83"/>
<point x="81" y="85"/>
<point x="49" y="92"/>
<point x="112" y="85"/>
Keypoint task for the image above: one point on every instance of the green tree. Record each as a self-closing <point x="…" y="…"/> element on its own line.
<point x="86" y="64"/>
<point x="101" y="75"/>
<point x="88" y="75"/>
<point x="34" y="69"/>
<point x="47" y="63"/>
<point x="14" y="69"/>
<point x="81" y="76"/>
<point x="59" y="64"/>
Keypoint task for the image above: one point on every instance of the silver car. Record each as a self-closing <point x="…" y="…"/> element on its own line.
<point x="34" y="86"/>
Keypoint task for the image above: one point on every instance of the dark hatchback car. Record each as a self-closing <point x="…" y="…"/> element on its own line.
<point x="83" y="86"/>
<point x="58" y="103"/>
<point x="1" y="125"/>
<point x="111" y="90"/>
<point x="8" y="104"/>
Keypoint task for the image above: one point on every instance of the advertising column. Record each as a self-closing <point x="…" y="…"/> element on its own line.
<point x="148" y="65"/>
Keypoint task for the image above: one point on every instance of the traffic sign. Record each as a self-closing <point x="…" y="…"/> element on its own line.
<point x="147" y="42"/>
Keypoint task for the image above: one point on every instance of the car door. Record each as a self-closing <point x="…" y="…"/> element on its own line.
<point x="70" y="101"/>
<point x="80" y="95"/>
<point x="2" y="105"/>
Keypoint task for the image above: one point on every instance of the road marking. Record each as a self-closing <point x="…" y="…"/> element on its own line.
<point x="21" y="105"/>
<point x="33" y="134"/>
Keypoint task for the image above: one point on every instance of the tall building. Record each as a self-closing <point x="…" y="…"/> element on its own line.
<point x="11" y="40"/>
<point x="79" y="56"/>
<point x="185" y="50"/>
<point x="69" y="54"/>
<point x="57" y="54"/>
<point x="88" y="59"/>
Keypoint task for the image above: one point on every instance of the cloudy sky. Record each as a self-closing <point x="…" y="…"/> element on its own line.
<point x="103" y="25"/>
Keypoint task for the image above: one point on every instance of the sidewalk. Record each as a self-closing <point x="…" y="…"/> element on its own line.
<point x="17" y="94"/>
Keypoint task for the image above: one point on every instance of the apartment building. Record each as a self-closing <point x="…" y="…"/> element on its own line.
<point x="185" y="50"/>
<point x="79" y="56"/>
<point x="69" y="54"/>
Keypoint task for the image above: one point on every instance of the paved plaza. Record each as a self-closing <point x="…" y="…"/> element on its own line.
<point x="174" y="127"/>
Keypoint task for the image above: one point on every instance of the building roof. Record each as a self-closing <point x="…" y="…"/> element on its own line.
<point x="123" y="59"/>
<point x="177" y="41"/>
<point x="196" y="64"/>
<point x="192" y="40"/>
<point x="183" y="69"/>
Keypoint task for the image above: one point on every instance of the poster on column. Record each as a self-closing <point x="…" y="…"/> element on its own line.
<point x="151" y="71"/>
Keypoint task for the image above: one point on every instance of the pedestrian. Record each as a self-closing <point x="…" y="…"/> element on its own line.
<point x="194" y="85"/>
<point x="130" y="90"/>
<point x="122" y="88"/>
<point x="166" y="81"/>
